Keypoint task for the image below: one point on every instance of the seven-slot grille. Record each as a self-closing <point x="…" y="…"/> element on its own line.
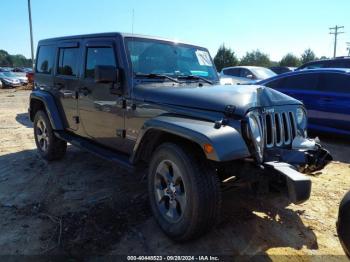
<point x="280" y="128"/>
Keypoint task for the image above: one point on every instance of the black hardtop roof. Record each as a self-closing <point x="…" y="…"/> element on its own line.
<point x="99" y="35"/>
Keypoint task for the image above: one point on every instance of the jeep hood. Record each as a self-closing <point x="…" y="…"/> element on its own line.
<point x="213" y="98"/>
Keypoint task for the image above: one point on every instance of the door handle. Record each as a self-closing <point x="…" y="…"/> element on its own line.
<point x="59" y="85"/>
<point x="67" y="93"/>
<point x="84" y="90"/>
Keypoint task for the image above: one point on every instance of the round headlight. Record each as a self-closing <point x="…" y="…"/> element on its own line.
<point x="254" y="127"/>
<point x="301" y="117"/>
<point x="256" y="134"/>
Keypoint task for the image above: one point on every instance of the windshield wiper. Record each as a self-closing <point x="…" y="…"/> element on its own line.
<point x="157" y="76"/>
<point x="189" y="77"/>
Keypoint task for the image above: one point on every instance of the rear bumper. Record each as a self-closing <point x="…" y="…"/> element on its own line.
<point x="298" y="185"/>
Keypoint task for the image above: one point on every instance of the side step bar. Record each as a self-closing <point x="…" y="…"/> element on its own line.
<point x="119" y="158"/>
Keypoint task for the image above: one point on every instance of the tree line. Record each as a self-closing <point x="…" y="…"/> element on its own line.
<point x="14" y="60"/>
<point x="226" y="57"/>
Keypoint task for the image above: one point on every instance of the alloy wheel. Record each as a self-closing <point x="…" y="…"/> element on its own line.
<point x="170" y="193"/>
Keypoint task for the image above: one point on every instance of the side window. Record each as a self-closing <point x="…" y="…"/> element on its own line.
<point x="45" y="59"/>
<point x="68" y="61"/>
<point x="337" y="83"/>
<point x="232" y="71"/>
<point x="246" y="72"/>
<point x="301" y="82"/>
<point x="98" y="56"/>
<point x="314" y="66"/>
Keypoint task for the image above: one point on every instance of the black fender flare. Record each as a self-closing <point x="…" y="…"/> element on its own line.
<point x="51" y="108"/>
<point x="227" y="141"/>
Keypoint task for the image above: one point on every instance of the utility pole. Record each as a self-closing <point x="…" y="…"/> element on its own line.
<point x="348" y="47"/>
<point x="335" y="32"/>
<point x="31" y="33"/>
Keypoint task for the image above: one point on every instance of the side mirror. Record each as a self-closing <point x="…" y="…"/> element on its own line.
<point x="250" y="76"/>
<point x="106" y="74"/>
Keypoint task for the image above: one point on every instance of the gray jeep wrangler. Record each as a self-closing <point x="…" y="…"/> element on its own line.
<point x="135" y="99"/>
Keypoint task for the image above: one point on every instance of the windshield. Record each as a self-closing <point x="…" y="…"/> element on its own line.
<point x="149" y="56"/>
<point x="263" y="73"/>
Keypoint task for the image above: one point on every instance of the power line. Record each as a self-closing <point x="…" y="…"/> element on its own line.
<point x="334" y="31"/>
<point x="31" y="33"/>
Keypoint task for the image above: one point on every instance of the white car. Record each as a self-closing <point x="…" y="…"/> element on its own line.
<point x="246" y="74"/>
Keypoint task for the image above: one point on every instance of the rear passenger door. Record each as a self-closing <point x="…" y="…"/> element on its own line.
<point x="335" y="100"/>
<point x="66" y="80"/>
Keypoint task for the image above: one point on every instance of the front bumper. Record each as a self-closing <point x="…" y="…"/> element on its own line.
<point x="298" y="185"/>
<point x="304" y="156"/>
<point x="305" y="160"/>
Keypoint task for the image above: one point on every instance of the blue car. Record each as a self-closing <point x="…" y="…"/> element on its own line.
<point x="325" y="94"/>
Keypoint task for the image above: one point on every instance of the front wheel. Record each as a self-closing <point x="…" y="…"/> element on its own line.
<point x="184" y="192"/>
<point x="49" y="146"/>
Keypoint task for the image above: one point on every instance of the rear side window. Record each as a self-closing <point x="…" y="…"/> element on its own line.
<point x="301" y="82"/>
<point x="68" y="61"/>
<point x="314" y="66"/>
<point x="98" y="56"/>
<point x="45" y="59"/>
<point x="338" y="83"/>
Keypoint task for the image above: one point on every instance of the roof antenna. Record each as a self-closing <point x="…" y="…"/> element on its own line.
<point x="132" y="49"/>
<point x="132" y="23"/>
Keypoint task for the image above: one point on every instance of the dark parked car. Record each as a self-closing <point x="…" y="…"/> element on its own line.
<point x="339" y="62"/>
<point x="135" y="99"/>
<point x="343" y="223"/>
<point x="325" y="94"/>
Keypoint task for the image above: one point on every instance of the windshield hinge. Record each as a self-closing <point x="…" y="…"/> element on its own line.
<point x="121" y="133"/>
<point x="124" y="103"/>
<point x="230" y="110"/>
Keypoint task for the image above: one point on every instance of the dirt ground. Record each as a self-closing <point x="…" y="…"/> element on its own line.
<point x="85" y="205"/>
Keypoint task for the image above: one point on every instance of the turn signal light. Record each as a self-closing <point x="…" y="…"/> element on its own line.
<point x="208" y="148"/>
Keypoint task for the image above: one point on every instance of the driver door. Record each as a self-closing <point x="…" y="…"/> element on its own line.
<point x="101" y="112"/>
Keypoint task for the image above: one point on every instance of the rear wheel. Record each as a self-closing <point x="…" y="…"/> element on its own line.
<point x="184" y="192"/>
<point x="49" y="146"/>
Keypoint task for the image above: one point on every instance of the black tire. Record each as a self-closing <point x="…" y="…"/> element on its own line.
<point x="343" y="223"/>
<point x="49" y="146"/>
<point x="199" y="186"/>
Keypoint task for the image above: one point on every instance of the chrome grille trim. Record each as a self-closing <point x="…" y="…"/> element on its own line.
<point x="279" y="128"/>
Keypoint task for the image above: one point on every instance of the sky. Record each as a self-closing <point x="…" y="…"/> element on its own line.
<point x="272" y="26"/>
